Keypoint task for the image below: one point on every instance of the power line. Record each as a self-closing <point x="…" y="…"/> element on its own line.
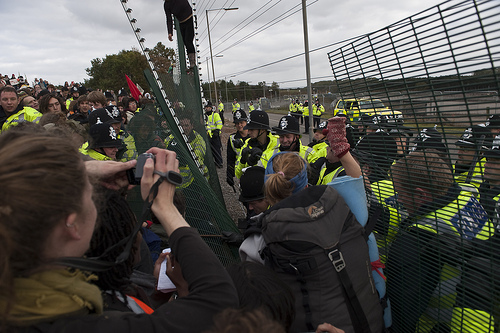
<point x="287" y="58"/>
<point x="261" y="28"/>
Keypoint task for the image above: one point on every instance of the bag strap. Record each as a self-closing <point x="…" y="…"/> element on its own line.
<point x="358" y="317"/>
<point x="372" y="221"/>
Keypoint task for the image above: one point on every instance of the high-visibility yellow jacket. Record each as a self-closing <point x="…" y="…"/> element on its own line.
<point x="266" y="154"/>
<point x="25" y="114"/>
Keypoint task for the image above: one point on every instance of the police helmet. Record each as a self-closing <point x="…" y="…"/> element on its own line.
<point x="103" y="115"/>
<point x="321" y="126"/>
<point x="429" y="138"/>
<point x="258" y="120"/>
<point x="493" y="121"/>
<point x="252" y="184"/>
<point x="473" y="136"/>
<point x="103" y="136"/>
<point x="377" y="147"/>
<point x="493" y="150"/>
<point x="287" y="125"/>
<point x="239" y="116"/>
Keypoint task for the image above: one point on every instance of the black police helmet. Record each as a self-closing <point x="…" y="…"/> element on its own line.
<point x="103" y="115"/>
<point x="493" y="150"/>
<point x="103" y="136"/>
<point x="252" y="184"/>
<point x="239" y="116"/>
<point x="287" y="125"/>
<point x="471" y="137"/>
<point x="429" y="138"/>
<point x="321" y="126"/>
<point x="258" y="120"/>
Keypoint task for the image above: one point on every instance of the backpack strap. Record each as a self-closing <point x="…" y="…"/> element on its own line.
<point x="358" y="318"/>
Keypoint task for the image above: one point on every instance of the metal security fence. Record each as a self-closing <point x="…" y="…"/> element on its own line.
<point x="175" y="121"/>
<point x="422" y="95"/>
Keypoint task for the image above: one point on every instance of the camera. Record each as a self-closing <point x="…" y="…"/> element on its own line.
<point x="134" y="175"/>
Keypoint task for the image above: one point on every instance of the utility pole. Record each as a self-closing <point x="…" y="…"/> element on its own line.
<point x="308" y="71"/>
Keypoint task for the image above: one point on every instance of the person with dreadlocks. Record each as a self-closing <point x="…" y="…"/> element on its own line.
<point x="115" y="222"/>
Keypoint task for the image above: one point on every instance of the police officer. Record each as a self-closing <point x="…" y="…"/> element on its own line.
<point x="214" y="127"/>
<point x="318" y="110"/>
<point x="427" y="256"/>
<point x="261" y="145"/>
<point x="75" y="93"/>
<point x="469" y="167"/>
<point x="320" y="142"/>
<point x="220" y="109"/>
<point x="489" y="190"/>
<point x="305" y="114"/>
<point x="289" y="138"/>
<point x="250" y="106"/>
<point x="235" y="143"/>
<point x="12" y="112"/>
<point x="402" y="136"/>
<point x="236" y="105"/>
<point x="104" y="143"/>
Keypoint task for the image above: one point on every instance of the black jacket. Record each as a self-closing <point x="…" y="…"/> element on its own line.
<point x="179" y="8"/>
<point x="210" y="291"/>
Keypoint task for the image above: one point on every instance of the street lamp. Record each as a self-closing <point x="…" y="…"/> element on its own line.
<point x="208" y="72"/>
<point x="210" y="43"/>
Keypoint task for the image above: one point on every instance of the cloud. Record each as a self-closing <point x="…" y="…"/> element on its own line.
<point x="57" y="39"/>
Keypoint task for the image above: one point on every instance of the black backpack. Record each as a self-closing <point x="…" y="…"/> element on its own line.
<point x="316" y="245"/>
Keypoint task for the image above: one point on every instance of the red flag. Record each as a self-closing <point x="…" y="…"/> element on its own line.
<point x="133" y="88"/>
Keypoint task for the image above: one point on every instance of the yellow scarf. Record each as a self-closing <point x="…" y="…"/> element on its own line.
<point x="51" y="294"/>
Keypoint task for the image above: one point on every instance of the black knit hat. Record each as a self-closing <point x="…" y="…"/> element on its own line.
<point x="103" y="136"/>
<point x="252" y="184"/>
<point x="258" y="120"/>
<point x="287" y="125"/>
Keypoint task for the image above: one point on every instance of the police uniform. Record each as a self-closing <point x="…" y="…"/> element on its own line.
<point x="258" y="120"/>
<point x="474" y="138"/>
<point x="318" y="110"/>
<point x="425" y="259"/>
<point x="20" y="114"/>
<point x="305" y="114"/>
<point x="220" y="109"/>
<point x="251" y="107"/>
<point x="290" y="125"/>
<point x="102" y="135"/>
<point x="199" y="147"/>
<point x="234" y="145"/>
<point x="236" y="106"/>
<point x="214" y="127"/>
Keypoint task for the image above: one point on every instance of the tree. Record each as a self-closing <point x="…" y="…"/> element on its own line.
<point x="109" y="72"/>
<point x="162" y="57"/>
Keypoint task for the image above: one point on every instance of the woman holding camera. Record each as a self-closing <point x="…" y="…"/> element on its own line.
<point x="47" y="215"/>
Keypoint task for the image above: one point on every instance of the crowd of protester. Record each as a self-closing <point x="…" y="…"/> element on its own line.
<point x="73" y="257"/>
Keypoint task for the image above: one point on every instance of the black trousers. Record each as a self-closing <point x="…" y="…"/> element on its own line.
<point x="187" y="33"/>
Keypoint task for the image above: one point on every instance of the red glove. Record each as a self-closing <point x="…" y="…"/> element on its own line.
<point x="337" y="137"/>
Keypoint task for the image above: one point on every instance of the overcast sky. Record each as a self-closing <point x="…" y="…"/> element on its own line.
<point x="57" y="39"/>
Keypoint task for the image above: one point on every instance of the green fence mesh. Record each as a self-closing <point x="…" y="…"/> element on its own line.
<point x="431" y="82"/>
<point x="175" y="121"/>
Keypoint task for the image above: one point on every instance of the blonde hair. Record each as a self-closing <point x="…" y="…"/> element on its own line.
<point x="278" y="185"/>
